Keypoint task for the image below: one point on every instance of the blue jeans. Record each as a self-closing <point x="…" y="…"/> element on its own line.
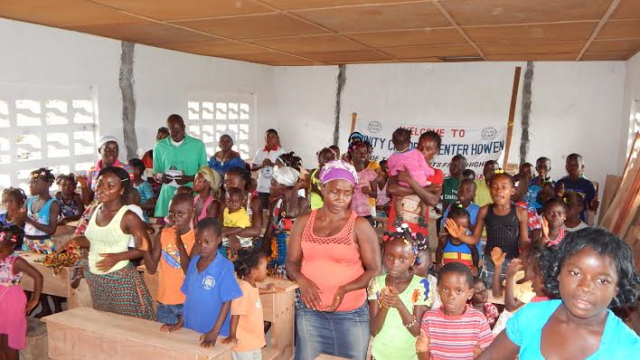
<point x="341" y="333"/>
<point x="488" y="269"/>
<point x="169" y="314"/>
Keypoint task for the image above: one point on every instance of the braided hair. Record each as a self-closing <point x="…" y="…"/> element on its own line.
<point x="43" y="174"/>
<point x="247" y="260"/>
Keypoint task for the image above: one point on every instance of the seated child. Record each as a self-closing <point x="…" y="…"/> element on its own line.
<point x="42" y="214"/>
<point x="170" y="256"/>
<point x="209" y="287"/>
<point x="554" y="213"/>
<point x="480" y="299"/>
<point x="13" y="202"/>
<point x="455" y="330"/>
<point x="466" y="193"/>
<point x="451" y="249"/>
<point x="576" y="182"/>
<point x="423" y="265"/>
<point x="247" y="320"/>
<point x="71" y="205"/>
<point x="397" y="300"/>
<point x="14" y="307"/>
<point x="575" y="206"/>
<point x="147" y="196"/>
<point x="406" y="159"/>
<point x="591" y="270"/>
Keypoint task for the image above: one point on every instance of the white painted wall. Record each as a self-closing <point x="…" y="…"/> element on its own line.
<point x="631" y="101"/>
<point x="576" y="106"/>
<point x="40" y="55"/>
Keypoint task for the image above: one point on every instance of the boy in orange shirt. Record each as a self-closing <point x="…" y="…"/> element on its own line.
<point x="171" y="250"/>
<point x="247" y="320"/>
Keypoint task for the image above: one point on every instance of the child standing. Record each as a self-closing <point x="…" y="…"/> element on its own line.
<point x="466" y="194"/>
<point x="575" y="206"/>
<point x="406" y="159"/>
<point x="554" y="213"/>
<point x="71" y="205"/>
<point x="209" y="287"/>
<point x="451" y="249"/>
<point x="452" y="183"/>
<point x="505" y="223"/>
<point x="247" y="320"/>
<point x="397" y="301"/>
<point x="455" y="330"/>
<point x="480" y="302"/>
<point x="483" y="194"/>
<point x="543" y="167"/>
<point x="424" y="265"/>
<point x="576" y="182"/>
<point x="315" y="195"/>
<point x="367" y="185"/>
<point x="13" y="302"/>
<point x="207" y="185"/>
<point x="42" y="214"/>
<point x="147" y="196"/>
<point x="591" y="270"/>
<point x="171" y="250"/>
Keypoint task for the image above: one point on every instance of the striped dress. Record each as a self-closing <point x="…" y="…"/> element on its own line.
<point x="454" y="337"/>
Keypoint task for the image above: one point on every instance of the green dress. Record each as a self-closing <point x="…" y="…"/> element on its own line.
<point x="394" y="341"/>
<point x="189" y="157"/>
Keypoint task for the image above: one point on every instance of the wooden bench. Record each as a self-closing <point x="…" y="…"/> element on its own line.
<point x="278" y="308"/>
<point x="83" y="333"/>
<point x="37" y="348"/>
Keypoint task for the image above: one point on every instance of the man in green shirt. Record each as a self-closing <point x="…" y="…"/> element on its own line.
<point x="179" y="152"/>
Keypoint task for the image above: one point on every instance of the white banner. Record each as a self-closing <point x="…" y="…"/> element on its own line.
<point x="476" y="143"/>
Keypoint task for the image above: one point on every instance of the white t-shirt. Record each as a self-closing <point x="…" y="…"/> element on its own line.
<point x="264" y="180"/>
<point x="138" y="211"/>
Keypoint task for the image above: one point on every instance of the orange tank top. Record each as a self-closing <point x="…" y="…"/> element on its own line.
<point x="331" y="262"/>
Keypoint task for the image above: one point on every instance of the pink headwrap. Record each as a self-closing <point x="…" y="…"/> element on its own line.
<point x="338" y="170"/>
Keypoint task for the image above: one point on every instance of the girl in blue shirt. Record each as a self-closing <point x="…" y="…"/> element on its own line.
<point x="591" y="271"/>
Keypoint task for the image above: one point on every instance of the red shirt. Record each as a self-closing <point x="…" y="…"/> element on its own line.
<point x="436" y="179"/>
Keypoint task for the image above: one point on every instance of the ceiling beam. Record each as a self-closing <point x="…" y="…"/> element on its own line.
<point x="612" y="7"/>
<point x="457" y="27"/>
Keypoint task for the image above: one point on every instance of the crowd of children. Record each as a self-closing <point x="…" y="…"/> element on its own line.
<point x="521" y="238"/>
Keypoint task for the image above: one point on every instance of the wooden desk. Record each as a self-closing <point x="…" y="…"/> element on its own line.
<point x="495" y="300"/>
<point x="278" y="308"/>
<point x="83" y="333"/>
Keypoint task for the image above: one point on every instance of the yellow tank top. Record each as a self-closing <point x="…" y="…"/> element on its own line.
<point x="107" y="240"/>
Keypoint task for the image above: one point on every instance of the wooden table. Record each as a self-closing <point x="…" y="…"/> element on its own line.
<point x="83" y="333"/>
<point x="278" y="308"/>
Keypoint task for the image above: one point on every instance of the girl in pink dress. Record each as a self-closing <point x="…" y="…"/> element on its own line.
<point x="13" y="302"/>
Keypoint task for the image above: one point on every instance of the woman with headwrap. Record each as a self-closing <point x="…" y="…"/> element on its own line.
<point x="332" y="255"/>
<point x="226" y="158"/>
<point x="289" y="204"/>
<point x="108" y="149"/>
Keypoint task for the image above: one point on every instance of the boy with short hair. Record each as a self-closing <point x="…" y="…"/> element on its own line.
<point x="454" y="330"/>
<point x="576" y="182"/>
<point x="543" y="167"/>
<point x="466" y="194"/>
<point x="483" y="195"/>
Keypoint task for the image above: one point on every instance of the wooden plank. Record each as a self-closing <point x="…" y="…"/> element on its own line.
<point x="611" y="185"/>
<point x="512" y="114"/>
<point x="633" y="153"/>
<point x="616" y="208"/>
<point x="90" y="334"/>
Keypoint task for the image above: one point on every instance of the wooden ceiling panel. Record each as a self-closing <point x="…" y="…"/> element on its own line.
<point x="148" y="33"/>
<point x="63" y="13"/>
<point x="620" y="29"/>
<point x="423" y="60"/>
<point x="537" y="48"/>
<point x="267" y="56"/>
<point x="187" y="9"/>
<point x="604" y="56"/>
<point x="614" y="45"/>
<point x="422" y="51"/>
<point x="531" y="33"/>
<point x="257" y="26"/>
<point x="312" y="43"/>
<point x="494" y="12"/>
<point x="377" y="18"/>
<point x="216" y="47"/>
<point x="316" y="4"/>
<point x="533" y="57"/>
<point x="341" y="57"/>
<point x="627" y="9"/>
<point x="409" y="37"/>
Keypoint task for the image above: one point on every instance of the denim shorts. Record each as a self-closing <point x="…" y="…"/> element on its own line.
<point x="341" y="333"/>
<point x="169" y="314"/>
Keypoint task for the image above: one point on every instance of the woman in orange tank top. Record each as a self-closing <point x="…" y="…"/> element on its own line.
<point x="332" y="255"/>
